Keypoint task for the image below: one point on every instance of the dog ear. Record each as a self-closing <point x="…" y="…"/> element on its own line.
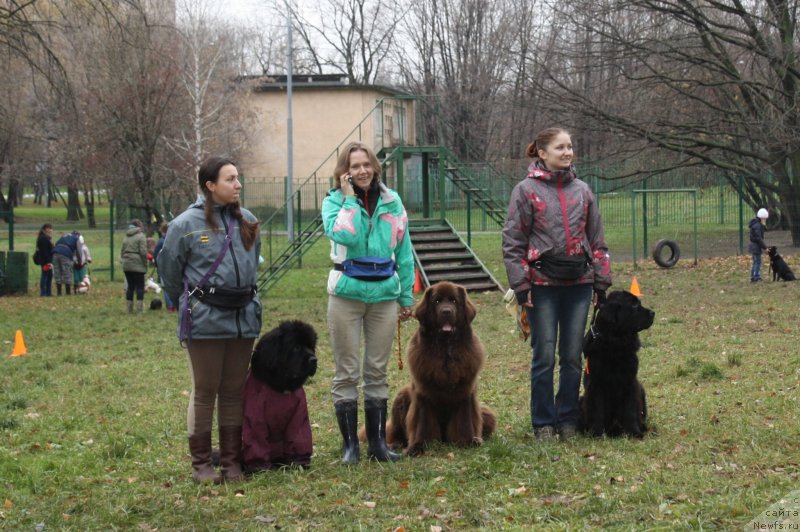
<point x="423" y="309"/>
<point x="606" y="319"/>
<point x="310" y="335"/>
<point x="469" y="308"/>
<point x="263" y="359"/>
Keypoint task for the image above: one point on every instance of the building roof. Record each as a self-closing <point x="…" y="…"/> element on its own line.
<point x="275" y="83"/>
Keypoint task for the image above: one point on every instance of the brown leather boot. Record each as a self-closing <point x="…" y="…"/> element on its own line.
<point x="230" y="453"/>
<point x="200" y="449"/>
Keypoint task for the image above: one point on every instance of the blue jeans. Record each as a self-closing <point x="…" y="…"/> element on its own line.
<point x="558" y="312"/>
<point x="46" y="283"/>
<point x="755" y="272"/>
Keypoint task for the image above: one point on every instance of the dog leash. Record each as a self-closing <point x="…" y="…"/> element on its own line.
<point x="591" y="333"/>
<point x="399" y="347"/>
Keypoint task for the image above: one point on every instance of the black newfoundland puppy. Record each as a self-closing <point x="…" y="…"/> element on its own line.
<point x="614" y="400"/>
<point x="780" y="270"/>
<point x="276" y="429"/>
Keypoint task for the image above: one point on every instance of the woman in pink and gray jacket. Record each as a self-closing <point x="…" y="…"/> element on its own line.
<point x="555" y="256"/>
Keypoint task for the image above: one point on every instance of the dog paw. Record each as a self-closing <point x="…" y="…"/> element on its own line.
<point x="476" y="441"/>
<point x="415" y="450"/>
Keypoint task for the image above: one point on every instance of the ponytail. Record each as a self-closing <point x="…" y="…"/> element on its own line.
<point x="543" y="139"/>
<point x="248" y="230"/>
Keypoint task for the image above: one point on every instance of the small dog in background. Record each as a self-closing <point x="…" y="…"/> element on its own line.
<point x="151" y="285"/>
<point x="780" y="270"/>
<point x="84" y="285"/>
<point x="276" y="429"/>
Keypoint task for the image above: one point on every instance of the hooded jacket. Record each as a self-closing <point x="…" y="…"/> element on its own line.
<point x="133" y="254"/>
<point x="553" y="213"/>
<point x="45" y="246"/>
<point x="190" y="248"/>
<point x="355" y="232"/>
<point x="756" y="244"/>
<point x="66" y="246"/>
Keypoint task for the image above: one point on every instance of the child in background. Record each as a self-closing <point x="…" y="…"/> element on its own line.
<point x="757" y="245"/>
<point x="81" y="260"/>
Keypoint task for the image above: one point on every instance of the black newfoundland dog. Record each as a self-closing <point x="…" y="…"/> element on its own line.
<point x="444" y="359"/>
<point x="276" y="429"/>
<point x="780" y="270"/>
<point x="614" y="400"/>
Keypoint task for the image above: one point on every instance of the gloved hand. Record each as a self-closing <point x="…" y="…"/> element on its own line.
<point x="523" y="297"/>
<point x="599" y="297"/>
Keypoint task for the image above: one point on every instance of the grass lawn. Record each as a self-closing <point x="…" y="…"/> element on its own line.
<point x="93" y="437"/>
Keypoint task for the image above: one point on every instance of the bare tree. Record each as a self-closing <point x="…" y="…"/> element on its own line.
<point x="459" y="55"/>
<point x="133" y="80"/>
<point x="714" y="83"/>
<point x="353" y="37"/>
<point x="207" y="75"/>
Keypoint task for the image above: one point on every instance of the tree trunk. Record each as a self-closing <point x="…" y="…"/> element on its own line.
<point x="74" y="212"/>
<point x="13" y="192"/>
<point x="88" y="201"/>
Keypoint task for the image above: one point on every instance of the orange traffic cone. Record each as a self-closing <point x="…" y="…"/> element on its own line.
<point x="635" y="288"/>
<point x="418" y="287"/>
<point x="19" y="345"/>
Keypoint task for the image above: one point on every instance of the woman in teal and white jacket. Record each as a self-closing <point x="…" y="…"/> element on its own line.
<point x="365" y="220"/>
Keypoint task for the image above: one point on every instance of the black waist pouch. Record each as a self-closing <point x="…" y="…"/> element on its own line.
<point x="227" y="298"/>
<point x="563" y="267"/>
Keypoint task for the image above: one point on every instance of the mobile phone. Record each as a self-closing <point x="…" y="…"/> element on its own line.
<point x="349" y="179"/>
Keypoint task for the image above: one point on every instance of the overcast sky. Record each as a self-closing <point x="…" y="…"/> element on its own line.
<point x="245" y="10"/>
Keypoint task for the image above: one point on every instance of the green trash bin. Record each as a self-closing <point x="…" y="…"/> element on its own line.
<point x="16" y="272"/>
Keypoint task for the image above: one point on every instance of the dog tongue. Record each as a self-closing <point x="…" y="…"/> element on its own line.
<point x="447" y="327"/>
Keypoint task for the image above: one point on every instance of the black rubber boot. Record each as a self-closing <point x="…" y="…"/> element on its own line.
<point x="375" y="410"/>
<point x="347" y="415"/>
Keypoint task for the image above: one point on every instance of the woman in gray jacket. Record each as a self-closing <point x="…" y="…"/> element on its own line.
<point x="220" y="314"/>
<point x="134" y="264"/>
<point x="555" y="256"/>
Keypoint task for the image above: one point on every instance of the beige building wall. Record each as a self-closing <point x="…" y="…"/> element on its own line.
<point x="323" y="119"/>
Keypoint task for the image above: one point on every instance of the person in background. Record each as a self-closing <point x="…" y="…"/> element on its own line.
<point x="365" y="220"/>
<point x="80" y="266"/>
<point x="757" y="227"/>
<point x="63" y="258"/>
<point x="133" y="256"/>
<point x="160" y="244"/>
<point x="217" y="327"/>
<point x="555" y="255"/>
<point x="44" y="247"/>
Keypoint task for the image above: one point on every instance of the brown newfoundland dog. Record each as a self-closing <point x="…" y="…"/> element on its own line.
<point x="444" y="359"/>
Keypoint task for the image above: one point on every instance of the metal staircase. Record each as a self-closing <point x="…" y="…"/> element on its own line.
<point x="441" y="255"/>
<point x="306" y="238"/>
<point x="467" y="178"/>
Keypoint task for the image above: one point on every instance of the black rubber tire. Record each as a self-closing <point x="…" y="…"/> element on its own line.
<point x="674" y="255"/>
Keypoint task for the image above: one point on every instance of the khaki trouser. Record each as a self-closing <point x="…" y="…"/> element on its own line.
<point x="219" y="369"/>
<point x="346" y="320"/>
